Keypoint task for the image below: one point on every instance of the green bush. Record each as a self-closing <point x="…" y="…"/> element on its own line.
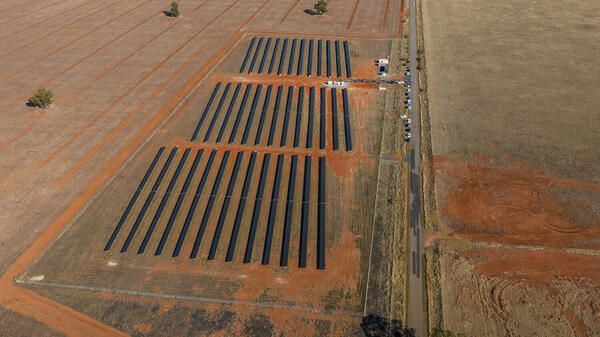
<point x="41" y="98"/>
<point x="174" y="9"/>
<point x="321" y="7"/>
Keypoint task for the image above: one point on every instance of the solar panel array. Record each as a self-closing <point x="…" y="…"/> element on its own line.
<point x="296" y="57"/>
<point x="215" y="207"/>
<point x="274" y="116"/>
<point x="249" y="205"/>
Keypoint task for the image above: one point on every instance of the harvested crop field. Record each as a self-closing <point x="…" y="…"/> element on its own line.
<point x="168" y="184"/>
<point x="513" y="194"/>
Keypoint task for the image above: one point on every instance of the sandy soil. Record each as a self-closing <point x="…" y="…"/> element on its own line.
<point x="514" y="224"/>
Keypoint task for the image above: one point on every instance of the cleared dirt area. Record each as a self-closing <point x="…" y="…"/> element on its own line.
<point x="513" y="178"/>
<point x="119" y="76"/>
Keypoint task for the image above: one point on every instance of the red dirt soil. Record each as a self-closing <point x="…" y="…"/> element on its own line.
<point x="540" y="269"/>
<point x="480" y="195"/>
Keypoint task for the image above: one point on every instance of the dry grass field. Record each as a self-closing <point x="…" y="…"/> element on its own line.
<point x="129" y="80"/>
<point x="513" y="97"/>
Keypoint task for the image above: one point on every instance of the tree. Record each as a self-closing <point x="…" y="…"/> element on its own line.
<point x="174" y="9"/>
<point x="321" y="7"/>
<point x="41" y="98"/>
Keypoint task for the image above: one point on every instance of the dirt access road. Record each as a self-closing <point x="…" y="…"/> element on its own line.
<point x="416" y="314"/>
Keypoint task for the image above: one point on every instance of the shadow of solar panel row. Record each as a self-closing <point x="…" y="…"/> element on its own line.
<point x="225" y="218"/>
<point x="267" y="48"/>
<point x="258" y="119"/>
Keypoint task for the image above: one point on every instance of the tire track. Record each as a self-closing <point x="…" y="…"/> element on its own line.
<point x="20" y="4"/>
<point x="289" y="11"/>
<point x="33" y="11"/>
<point x="96" y="51"/>
<point x="123" y="60"/>
<point x="484" y="310"/>
<point x="353" y="14"/>
<point x="385" y="16"/>
<point x="17" y="137"/>
<point x="46" y="20"/>
<point x="28" y="44"/>
<point x="77" y="39"/>
<point x="126" y="93"/>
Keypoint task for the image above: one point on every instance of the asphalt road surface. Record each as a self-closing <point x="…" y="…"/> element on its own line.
<point x="416" y="311"/>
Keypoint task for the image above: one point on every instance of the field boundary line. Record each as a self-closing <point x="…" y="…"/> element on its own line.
<point x="353" y="14"/>
<point x="190" y="298"/>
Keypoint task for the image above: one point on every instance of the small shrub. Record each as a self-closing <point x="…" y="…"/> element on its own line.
<point x="174" y="12"/>
<point x="41" y="98"/>
<point x="321" y="7"/>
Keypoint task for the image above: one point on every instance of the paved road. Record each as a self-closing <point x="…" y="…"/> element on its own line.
<point x="416" y="319"/>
